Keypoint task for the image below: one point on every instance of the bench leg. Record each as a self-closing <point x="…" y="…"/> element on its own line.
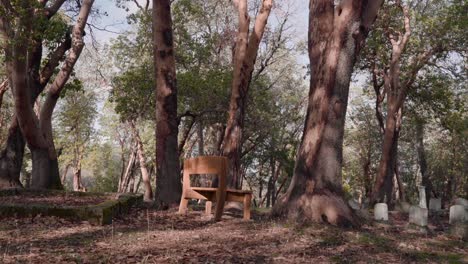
<point x="183" y="205"/>
<point x="247" y="201"/>
<point x="220" y="199"/>
<point x="208" y="206"/>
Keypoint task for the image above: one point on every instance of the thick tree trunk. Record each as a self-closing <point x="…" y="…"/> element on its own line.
<point x="383" y="188"/>
<point x="148" y="196"/>
<point x="244" y="62"/>
<point x="11" y="158"/>
<point x="168" y="185"/>
<point x="45" y="173"/>
<point x="336" y="35"/>
<point x="27" y="83"/>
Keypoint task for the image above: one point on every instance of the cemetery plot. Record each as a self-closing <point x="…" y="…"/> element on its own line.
<point x="97" y="208"/>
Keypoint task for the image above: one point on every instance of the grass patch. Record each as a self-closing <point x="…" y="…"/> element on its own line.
<point x="379" y="242"/>
<point x="332" y="239"/>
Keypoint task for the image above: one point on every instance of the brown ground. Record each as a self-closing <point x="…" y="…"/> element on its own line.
<point x="173" y="238"/>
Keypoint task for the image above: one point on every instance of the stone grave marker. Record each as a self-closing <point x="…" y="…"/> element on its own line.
<point x="422" y="197"/>
<point x="435" y="204"/>
<point x="461" y="201"/>
<point x="458" y="214"/>
<point x="381" y="212"/>
<point x="418" y="215"/>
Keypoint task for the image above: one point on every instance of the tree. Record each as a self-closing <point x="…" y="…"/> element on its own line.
<point x="396" y="65"/>
<point x="244" y="61"/>
<point x="336" y="36"/>
<point x="168" y="186"/>
<point x="18" y="28"/>
<point x="75" y="128"/>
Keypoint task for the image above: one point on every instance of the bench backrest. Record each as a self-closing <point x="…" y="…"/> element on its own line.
<point x="206" y="165"/>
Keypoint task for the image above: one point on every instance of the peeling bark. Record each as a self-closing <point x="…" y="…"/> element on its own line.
<point x="336" y="35"/>
<point x="244" y="61"/>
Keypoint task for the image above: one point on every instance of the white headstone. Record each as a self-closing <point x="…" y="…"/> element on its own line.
<point x="435" y="204"/>
<point x="461" y="201"/>
<point x="418" y="215"/>
<point x="458" y="214"/>
<point x="381" y="212"/>
<point x="422" y="197"/>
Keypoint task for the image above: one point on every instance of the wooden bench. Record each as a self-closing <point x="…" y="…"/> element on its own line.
<point x="211" y="165"/>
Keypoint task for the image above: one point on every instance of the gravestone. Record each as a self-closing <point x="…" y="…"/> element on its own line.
<point x="418" y="215"/>
<point x="422" y="197"/>
<point x="435" y="204"/>
<point x="458" y="214"/>
<point x="381" y="212"/>
<point x="461" y="201"/>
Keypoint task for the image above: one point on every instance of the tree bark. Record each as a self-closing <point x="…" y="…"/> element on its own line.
<point x="168" y="185"/>
<point x="27" y="83"/>
<point x="148" y="196"/>
<point x="127" y="174"/>
<point x="336" y="35"/>
<point x="11" y="158"/>
<point x="396" y="93"/>
<point x="426" y="181"/>
<point x="244" y="62"/>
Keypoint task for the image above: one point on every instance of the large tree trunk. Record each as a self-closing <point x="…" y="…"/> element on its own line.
<point x="383" y="188"/>
<point x="11" y="158"/>
<point x="53" y="93"/>
<point x="336" y="35"/>
<point x="148" y="196"/>
<point x="244" y="62"/>
<point x="27" y="82"/>
<point x="168" y="185"/>
<point x="12" y="154"/>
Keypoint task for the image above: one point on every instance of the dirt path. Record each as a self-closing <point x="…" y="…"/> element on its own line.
<point x="173" y="238"/>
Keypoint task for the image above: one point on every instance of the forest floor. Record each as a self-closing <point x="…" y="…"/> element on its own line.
<point x="150" y="236"/>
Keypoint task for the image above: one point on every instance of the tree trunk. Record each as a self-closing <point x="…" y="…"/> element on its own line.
<point x="77" y="185"/>
<point x="336" y="35"/>
<point x="244" y="62"/>
<point x="168" y="185"/>
<point x="426" y="181"/>
<point x="126" y="176"/>
<point x="11" y="158"/>
<point x="383" y="187"/>
<point x="64" y="175"/>
<point x="27" y="83"/>
<point x="148" y="196"/>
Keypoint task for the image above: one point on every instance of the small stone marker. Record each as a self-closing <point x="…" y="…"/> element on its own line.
<point x="435" y="204"/>
<point x="458" y="214"/>
<point x="461" y="201"/>
<point x="381" y="212"/>
<point x="418" y="215"/>
<point x="422" y="197"/>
